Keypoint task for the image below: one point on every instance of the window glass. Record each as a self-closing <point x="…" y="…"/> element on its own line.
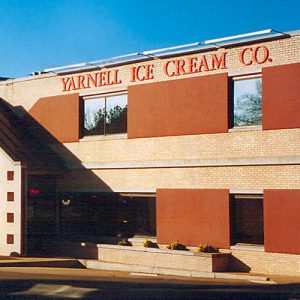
<point x="92" y="216"/>
<point x="116" y="114"/>
<point x="247" y="102"/>
<point x="105" y="115"/>
<point x="247" y="222"/>
<point x="94" y="110"/>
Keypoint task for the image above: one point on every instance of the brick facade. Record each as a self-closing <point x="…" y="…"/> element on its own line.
<point x="248" y="160"/>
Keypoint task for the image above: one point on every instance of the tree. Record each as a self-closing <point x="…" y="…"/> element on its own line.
<point x="94" y="122"/>
<point x="248" y="108"/>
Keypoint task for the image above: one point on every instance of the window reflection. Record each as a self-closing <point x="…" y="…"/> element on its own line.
<point x="105" y="115"/>
<point x="116" y="114"/>
<point x="247" y="102"/>
<point x="94" y="111"/>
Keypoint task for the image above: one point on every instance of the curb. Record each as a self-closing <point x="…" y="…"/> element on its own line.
<point x="110" y="266"/>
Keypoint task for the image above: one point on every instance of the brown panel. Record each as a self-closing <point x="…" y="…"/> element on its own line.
<point x="282" y="221"/>
<point x="59" y="115"/>
<point x="281" y="97"/>
<point x="193" y="216"/>
<point x="179" y="107"/>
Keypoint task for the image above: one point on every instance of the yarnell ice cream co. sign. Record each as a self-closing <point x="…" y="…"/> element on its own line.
<point x="171" y="68"/>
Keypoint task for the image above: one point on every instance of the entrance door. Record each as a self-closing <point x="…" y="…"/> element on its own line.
<point x="41" y="210"/>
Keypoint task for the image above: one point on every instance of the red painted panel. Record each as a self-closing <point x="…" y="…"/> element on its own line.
<point x="281" y="97"/>
<point x="179" y="107"/>
<point x="282" y="221"/>
<point x="193" y="216"/>
<point x="59" y="115"/>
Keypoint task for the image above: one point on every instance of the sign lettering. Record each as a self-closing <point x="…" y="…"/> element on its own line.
<point x="258" y="55"/>
<point x="87" y="81"/>
<point x="170" y="68"/>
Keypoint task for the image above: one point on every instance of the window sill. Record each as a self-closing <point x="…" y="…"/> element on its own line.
<point x="119" y="136"/>
<point x="250" y="247"/>
<point x="245" y="128"/>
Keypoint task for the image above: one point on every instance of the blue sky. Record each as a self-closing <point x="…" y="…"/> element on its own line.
<point x="37" y="34"/>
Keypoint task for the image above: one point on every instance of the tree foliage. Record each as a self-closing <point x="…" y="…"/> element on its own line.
<point x="114" y="121"/>
<point x="248" y="110"/>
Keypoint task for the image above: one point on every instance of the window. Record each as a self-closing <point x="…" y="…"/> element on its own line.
<point x="105" y="115"/>
<point x="10" y="196"/>
<point x="246" y="214"/>
<point x="92" y="216"/>
<point x="10" y="217"/>
<point x="10" y="239"/>
<point x="247" y="99"/>
<point x="10" y="175"/>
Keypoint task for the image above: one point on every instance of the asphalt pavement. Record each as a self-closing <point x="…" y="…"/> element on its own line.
<point x="74" y="283"/>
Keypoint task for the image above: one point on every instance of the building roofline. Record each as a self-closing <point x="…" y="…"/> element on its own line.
<point x="173" y="51"/>
<point x="226" y="42"/>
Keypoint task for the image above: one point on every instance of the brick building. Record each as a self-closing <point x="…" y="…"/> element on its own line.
<point x="198" y="143"/>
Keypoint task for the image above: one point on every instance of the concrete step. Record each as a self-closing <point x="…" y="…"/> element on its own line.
<point x="111" y="266"/>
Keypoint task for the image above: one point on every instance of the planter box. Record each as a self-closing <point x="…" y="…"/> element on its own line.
<point x="161" y="258"/>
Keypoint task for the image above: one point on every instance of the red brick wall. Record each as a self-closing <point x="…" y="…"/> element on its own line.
<point x="282" y="221"/>
<point x="193" y="216"/>
<point x="281" y="97"/>
<point x="179" y="107"/>
<point x="59" y="115"/>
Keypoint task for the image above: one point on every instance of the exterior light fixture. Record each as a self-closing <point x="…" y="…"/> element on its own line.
<point x="66" y="202"/>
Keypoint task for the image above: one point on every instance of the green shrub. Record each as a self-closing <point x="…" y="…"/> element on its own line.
<point x="150" y="244"/>
<point x="124" y="243"/>
<point x="177" y="246"/>
<point x="207" y="249"/>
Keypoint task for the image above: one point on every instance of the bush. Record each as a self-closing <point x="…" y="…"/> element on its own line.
<point x="207" y="249"/>
<point x="177" y="246"/>
<point x="150" y="244"/>
<point x="124" y="243"/>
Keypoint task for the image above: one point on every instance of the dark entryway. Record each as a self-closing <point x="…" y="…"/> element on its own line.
<point x="85" y="217"/>
<point x="246" y="219"/>
<point x="41" y="205"/>
<point x="89" y="216"/>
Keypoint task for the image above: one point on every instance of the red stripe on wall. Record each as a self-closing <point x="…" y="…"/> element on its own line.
<point x="59" y="115"/>
<point x="193" y="216"/>
<point x="282" y="221"/>
<point x="178" y="107"/>
<point x="281" y="97"/>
